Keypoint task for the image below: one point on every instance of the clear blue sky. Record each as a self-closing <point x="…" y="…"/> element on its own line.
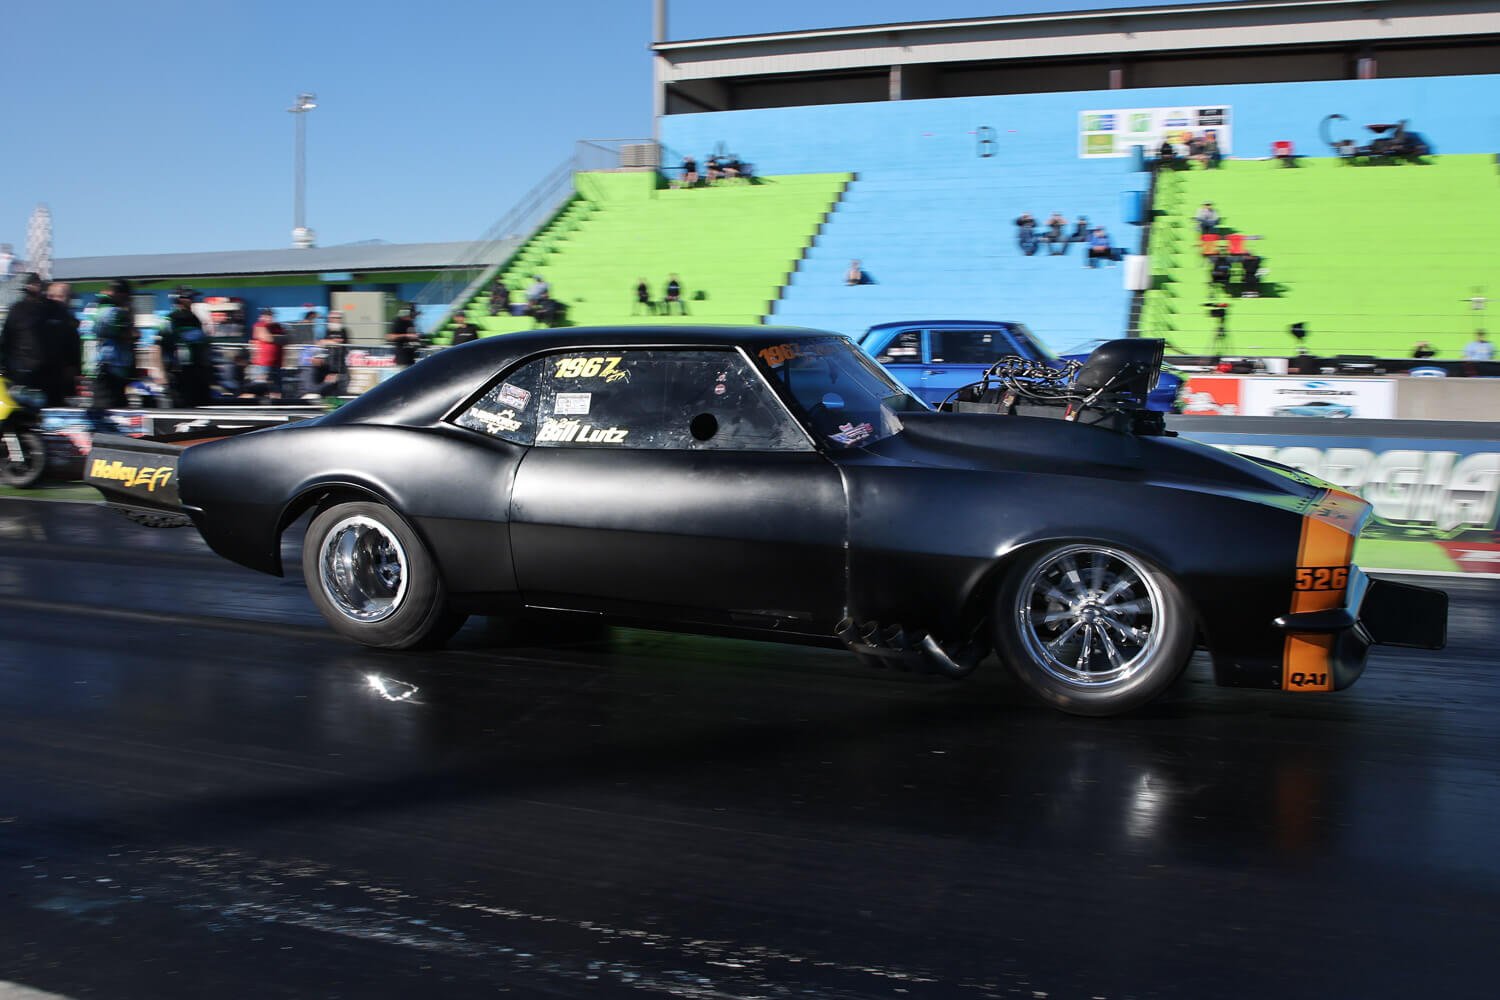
<point x="161" y="126"/>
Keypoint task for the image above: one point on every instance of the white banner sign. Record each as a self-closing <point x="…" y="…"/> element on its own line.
<point x="1318" y="397"/>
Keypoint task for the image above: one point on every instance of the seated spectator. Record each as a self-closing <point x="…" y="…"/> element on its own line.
<point x="538" y="291"/>
<point x="1211" y="156"/>
<point x="643" y="302"/>
<point x="1195" y="148"/>
<point x="1055" y="238"/>
<point x="1479" y="349"/>
<point x="1026" y="233"/>
<point x="689" y="172"/>
<point x="1208" y="218"/>
<point x="713" y="169"/>
<point x="673" y="297"/>
<point x="1423" y="349"/>
<point x="499" y="298"/>
<point x="1219" y="273"/>
<point x="1249" y="276"/>
<point x="1167" y="155"/>
<point x="731" y="167"/>
<point x="1100" y="249"/>
<point x="855" y="275"/>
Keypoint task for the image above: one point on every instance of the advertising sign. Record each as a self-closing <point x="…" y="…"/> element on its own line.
<point x="1435" y="501"/>
<point x="1318" y="397"/>
<point x="1212" y="395"/>
<point x="1113" y="132"/>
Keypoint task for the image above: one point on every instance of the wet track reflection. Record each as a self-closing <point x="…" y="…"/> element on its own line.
<point x="204" y="787"/>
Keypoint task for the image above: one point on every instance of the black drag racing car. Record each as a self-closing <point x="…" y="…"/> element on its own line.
<point x="779" y="482"/>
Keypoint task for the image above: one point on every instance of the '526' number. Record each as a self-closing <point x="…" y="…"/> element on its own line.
<point x="607" y="368"/>
<point x="1322" y="577"/>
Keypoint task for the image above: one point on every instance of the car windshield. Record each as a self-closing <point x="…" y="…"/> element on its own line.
<point x="1041" y="351"/>
<point x="843" y="397"/>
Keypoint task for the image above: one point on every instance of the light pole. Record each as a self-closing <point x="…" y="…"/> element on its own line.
<point x="302" y="237"/>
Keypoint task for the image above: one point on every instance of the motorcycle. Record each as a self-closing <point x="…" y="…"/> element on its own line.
<point x="23" y="453"/>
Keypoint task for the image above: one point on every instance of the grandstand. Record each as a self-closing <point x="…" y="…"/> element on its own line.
<point x="733" y="245"/>
<point x="1370" y="258"/>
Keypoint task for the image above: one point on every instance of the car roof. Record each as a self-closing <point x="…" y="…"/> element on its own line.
<point x="424" y="393"/>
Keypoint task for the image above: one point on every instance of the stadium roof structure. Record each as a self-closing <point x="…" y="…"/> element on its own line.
<point x="1182" y="44"/>
<point x="353" y="258"/>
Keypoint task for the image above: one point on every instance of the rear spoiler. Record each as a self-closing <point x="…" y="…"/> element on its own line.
<point x="135" y="474"/>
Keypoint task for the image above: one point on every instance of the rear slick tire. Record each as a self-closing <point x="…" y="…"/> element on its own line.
<point x="1093" y="630"/>
<point x="373" y="580"/>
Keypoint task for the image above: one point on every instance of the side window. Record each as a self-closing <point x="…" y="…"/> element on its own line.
<point x="623" y="398"/>
<point x="508" y="410"/>
<point x="969" y="347"/>
<point x="904" y="348"/>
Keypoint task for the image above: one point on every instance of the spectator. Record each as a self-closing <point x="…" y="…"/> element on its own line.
<point x="463" y="330"/>
<point x="1080" y="230"/>
<point x="689" y="172"/>
<point x="267" y="346"/>
<point x="499" y="297"/>
<point x="855" y="275"/>
<point x="187" y="355"/>
<point x="1211" y="153"/>
<point x="1099" y="248"/>
<point x="731" y="167"/>
<point x="1219" y="273"/>
<point x="713" y="168"/>
<point x="1219" y="313"/>
<point x="1479" y="349"/>
<point x="643" y="303"/>
<point x="328" y="365"/>
<point x="673" y="297"/>
<point x="1250" y="276"/>
<point x="67" y="344"/>
<point x="538" y="291"/>
<point x="1026" y="233"/>
<point x="114" y="334"/>
<point x="1423" y="349"/>
<point x="404" y="336"/>
<point x="1208" y="219"/>
<point x="25" y="338"/>
<point x="1167" y="156"/>
<point x="1056" y="224"/>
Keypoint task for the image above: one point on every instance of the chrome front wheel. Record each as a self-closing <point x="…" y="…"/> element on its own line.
<point x="1093" y="629"/>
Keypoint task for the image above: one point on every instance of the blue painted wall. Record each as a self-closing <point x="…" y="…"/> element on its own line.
<point x="932" y="221"/>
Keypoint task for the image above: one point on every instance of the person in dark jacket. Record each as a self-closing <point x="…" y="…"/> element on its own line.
<point x="67" y="344"/>
<point x="186" y="354"/>
<point x="114" y="335"/>
<point x="463" y="330"/>
<point x="24" y="337"/>
<point x="404" y="337"/>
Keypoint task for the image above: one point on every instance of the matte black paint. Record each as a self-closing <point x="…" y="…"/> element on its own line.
<point x="912" y="530"/>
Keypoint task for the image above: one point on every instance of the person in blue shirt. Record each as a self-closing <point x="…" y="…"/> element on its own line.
<point x="114" y="336"/>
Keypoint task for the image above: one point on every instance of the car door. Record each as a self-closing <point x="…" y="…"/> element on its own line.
<point x="958" y="357"/>
<point x="673" y="482"/>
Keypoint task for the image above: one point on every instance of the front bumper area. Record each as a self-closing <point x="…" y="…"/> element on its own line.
<point x="1325" y="650"/>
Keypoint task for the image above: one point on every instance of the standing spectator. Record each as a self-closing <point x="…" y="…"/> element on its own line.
<point x="643" y="301"/>
<point x="673" y="297"/>
<point x="1479" y="349"/>
<point x="25" y="337"/>
<point x="189" y="363"/>
<point x="855" y="275"/>
<point x="68" y="346"/>
<point x="1056" y="241"/>
<point x="114" y="333"/>
<point x="1211" y="156"/>
<point x="404" y="336"/>
<point x="267" y="344"/>
<point x="1026" y="233"/>
<point x="499" y="298"/>
<point x="463" y="330"/>
<point x="1208" y="219"/>
<point x="1250" y="276"/>
<point x="689" y="172"/>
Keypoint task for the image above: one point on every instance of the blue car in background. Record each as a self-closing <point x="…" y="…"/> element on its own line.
<point x="935" y="358"/>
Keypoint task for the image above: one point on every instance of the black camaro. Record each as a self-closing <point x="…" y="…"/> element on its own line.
<point x="778" y="481"/>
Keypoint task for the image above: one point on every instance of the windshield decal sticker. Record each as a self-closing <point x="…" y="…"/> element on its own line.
<point x="572" y="403"/>
<point x="513" y="396"/>
<point x="849" y="434"/>
<point x="504" y="422"/>
<point x="606" y="368"/>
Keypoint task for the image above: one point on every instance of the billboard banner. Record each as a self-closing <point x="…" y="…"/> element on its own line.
<point x="1103" y="134"/>
<point x="1435" y="501"/>
<point x="1318" y="397"/>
